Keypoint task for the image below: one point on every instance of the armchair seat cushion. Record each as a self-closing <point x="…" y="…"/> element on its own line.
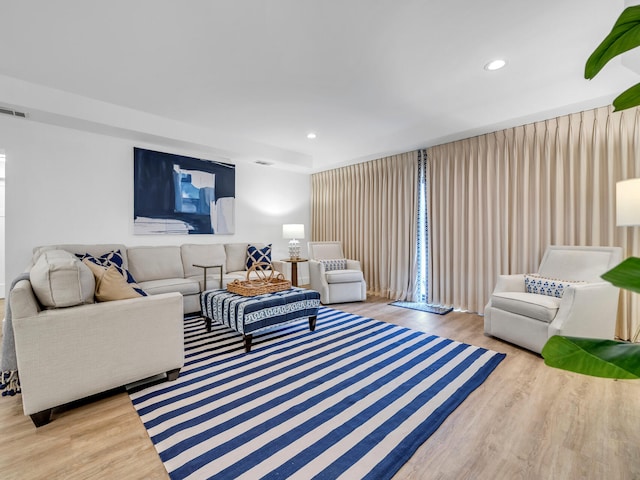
<point x="344" y="276"/>
<point x="540" y="307"/>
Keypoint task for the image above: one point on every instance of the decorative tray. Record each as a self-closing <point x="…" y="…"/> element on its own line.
<point x="268" y="281"/>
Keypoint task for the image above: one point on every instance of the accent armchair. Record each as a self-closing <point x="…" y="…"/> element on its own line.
<point x="337" y="279"/>
<point x="566" y="297"/>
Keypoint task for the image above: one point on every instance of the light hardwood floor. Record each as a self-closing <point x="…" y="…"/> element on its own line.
<point x="526" y="421"/>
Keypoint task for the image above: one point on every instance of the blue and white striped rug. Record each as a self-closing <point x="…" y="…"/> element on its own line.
<point x="354" y="399"/>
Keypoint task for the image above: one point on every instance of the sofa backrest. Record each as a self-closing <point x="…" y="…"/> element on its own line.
<point x="579" y="263"/>
<point x="96" y="250"/>
<point x="155" y="262"/>
<point x="325" y="250"/>
<point x="211" y="254"/>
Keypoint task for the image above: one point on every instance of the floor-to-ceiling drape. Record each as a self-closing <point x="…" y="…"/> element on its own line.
<point x="371" y="208"/>
<point x="496" y="202"/>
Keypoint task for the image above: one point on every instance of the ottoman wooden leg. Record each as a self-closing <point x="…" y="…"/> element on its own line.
<point x="247" y="342"/>
<point x="207" y="323"/>
<point x="312" y="323"/>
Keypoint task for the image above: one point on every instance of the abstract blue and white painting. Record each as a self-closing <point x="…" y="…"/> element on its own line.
<point x="174" y="194"/>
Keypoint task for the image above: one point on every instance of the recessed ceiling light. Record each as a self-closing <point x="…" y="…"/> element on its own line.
<point x="495" y="65"/>
<point x="311" y="136"/>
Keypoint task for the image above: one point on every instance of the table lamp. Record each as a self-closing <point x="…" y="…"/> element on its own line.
<point x="293" y="231"/>
<point x="628" y="210"/>
<point x="628" y="203"/>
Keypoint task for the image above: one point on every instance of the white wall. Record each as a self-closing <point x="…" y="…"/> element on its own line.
<point x="2" y="202"/>
<point x="70" y="186"/>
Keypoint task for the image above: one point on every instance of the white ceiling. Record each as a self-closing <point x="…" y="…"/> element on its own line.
<point x="370" y="77"/>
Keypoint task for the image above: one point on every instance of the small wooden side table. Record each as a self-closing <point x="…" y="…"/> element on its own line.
<point x="294" y="268"/>
<point x="205" y="267"/>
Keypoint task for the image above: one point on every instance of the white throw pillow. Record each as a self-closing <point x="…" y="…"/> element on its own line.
<point x="60" y="279"/>
<point x="236" y="256"/>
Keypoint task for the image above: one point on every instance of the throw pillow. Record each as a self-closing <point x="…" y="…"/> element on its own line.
<point x="259" y="255"/>
<point x="114" y="259"/>
<point x="334" y="264"/>
<point x="111" y="284"/>
<point x="552" y="287"/>
<point x="59" y="279"/>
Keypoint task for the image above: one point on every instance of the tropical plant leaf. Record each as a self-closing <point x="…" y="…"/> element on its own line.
<point x="627" y="99"/>
<point x="624" y="36"/>
<point x="593" y="356"/>
<point x="625" y="275"/>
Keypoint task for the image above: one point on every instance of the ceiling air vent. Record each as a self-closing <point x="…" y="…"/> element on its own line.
<point x="13" y="113"/>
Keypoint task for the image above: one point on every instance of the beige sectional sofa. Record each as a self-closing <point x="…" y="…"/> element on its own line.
<point x="73" y="347"/>
<point x="170" y="268"/>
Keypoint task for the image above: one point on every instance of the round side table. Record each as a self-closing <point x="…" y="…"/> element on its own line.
<point x="294" y="268"/>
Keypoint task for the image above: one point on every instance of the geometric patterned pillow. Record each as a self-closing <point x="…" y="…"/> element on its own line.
<point x="114" y="259"/>
<point x="258" y="255"/>
<point x="334" y="264"/>
<point x="552" y="287"/>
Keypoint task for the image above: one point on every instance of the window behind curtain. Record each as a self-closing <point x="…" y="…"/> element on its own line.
<point x="422" y="282"/>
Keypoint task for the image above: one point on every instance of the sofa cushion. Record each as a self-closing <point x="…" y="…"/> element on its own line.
<point x="185" y="286"/>
<point x="236" y="256"/>
<point x="258" y="255"/>
<point x="344" y="276"/>
<point x="552" y="287"/>
<point x="112" y="259"/>
<point x="97" y="249"/>
<point x="211" y="254"/>
<point x="111" y="284"/>
<point x="334" y="264"/>
<point x="59" y="279"/>
<point x="532" y="305"/>
<point x="155" y="263"/>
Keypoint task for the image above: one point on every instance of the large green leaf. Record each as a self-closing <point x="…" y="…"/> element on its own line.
<point x="625" y="275"/>
<point x="592" y="356"/>
<point x="627" y="99"/>
<point x="624" y="36"/>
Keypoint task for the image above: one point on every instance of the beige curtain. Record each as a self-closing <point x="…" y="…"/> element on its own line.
<point x="498" y="200"/>
<point x="371" y="208"/>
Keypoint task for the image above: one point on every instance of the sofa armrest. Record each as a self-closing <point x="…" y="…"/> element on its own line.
<point x="23" y="301"/>
<point x="505" y="283"/>
<point x="316" y="276"/>
<point x="587" y="310"/>
<point x="279" y="266"/>
<point x="353" y="265"/>
<point x="65" y="354"/>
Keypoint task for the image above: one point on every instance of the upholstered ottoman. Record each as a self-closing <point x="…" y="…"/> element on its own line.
<point x="249" y="315"/>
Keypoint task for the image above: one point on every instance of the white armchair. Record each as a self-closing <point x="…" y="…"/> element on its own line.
<point x="337" y="279"/>
<point x="586" y="308"/>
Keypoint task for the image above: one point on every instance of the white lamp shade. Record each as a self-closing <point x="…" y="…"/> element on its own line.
<point x="293" y="230"/>
<point x="628" y="202"/>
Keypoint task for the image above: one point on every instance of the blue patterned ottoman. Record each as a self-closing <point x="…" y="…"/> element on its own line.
<point x="249" y="315"/>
